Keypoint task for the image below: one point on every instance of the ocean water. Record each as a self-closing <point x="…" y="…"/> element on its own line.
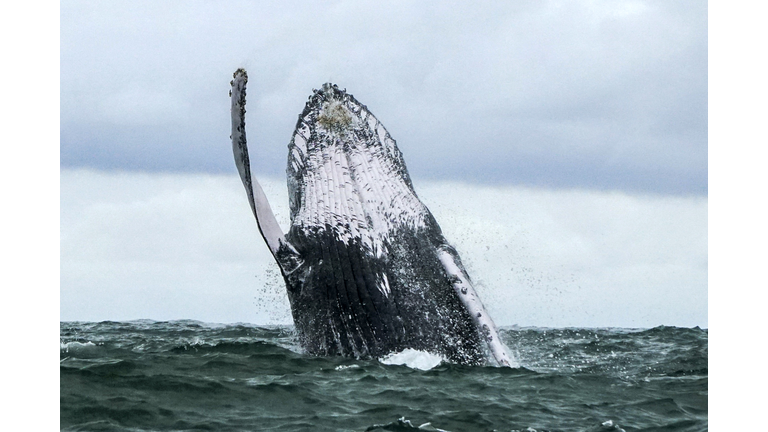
<point x="189" y="375"/>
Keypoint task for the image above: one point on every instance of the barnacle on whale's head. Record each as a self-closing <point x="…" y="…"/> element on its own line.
<point x="334" y="114"/>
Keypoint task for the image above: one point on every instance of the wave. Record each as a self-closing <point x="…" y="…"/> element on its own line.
<point x="201" y="347"/>
<point x="76" y="346"/>
<point x="185" y="375"/>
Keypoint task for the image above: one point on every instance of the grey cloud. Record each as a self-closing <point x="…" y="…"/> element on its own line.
<point x="607" y="95"/>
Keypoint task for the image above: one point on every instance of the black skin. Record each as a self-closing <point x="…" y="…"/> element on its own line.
<point x="338" y="281"/>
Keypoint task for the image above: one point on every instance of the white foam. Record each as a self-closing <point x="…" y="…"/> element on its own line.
<point x="343" y="367"/>
<point x="610" y="425"/>
<point x="66" y="346"/>
<point x="414" y="359"/>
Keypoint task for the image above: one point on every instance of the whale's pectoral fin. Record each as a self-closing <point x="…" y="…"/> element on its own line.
<point x="285" y="254"/>
<point x="469" y="298"/>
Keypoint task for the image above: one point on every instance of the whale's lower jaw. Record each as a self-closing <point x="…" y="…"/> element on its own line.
<point x="347" y="301"/>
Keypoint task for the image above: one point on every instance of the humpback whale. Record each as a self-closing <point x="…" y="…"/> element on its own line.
<point x="366" y="267"/>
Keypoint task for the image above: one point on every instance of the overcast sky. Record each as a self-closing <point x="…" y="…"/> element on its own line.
<point x="608" y="95"/>
<point x="185" y="246"/>
<point x="562" y="147"/>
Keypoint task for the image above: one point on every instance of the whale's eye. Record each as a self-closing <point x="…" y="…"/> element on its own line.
<point x="334" y="116"/>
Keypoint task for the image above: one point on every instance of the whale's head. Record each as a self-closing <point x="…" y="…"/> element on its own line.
<point x="346" y="172"/>
<point x="334" y="111"/>
<point x="334" y="118"/>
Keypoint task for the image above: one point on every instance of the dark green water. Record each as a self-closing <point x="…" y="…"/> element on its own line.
<point x="187" y="375"/>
